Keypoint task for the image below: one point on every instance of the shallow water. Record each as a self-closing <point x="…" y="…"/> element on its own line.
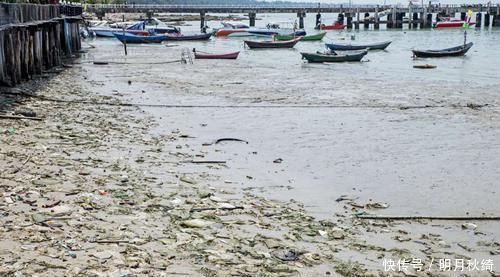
<point x="430" y="161"/>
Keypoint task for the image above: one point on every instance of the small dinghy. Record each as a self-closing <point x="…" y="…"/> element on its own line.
<point x="272" y="44"/>
<point x="372" y="46"/>
<point x="226" y="56"/>
<point x="332" y="57"/>
<point x="447" y="52"/>
<point x="130" y="38"/>
<point x="314" y="37"/>
<point x="335" y="26"/>
<point x="181" y="37"/>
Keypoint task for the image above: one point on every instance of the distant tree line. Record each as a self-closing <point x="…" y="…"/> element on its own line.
<point x="172" y="2"/>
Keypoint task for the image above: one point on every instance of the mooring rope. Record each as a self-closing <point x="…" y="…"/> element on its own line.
<point x="291" y="106"/>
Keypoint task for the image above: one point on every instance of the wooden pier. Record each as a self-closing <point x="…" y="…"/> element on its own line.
<point x="353" y="16"/>
<point x="272" y="7"/>
<point x="34" y="38"/>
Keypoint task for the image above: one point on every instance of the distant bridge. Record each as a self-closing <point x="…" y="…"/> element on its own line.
<point x="281" y="8"/>
<point x="363" y="14"/>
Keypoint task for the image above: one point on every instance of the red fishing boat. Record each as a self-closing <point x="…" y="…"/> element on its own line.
<point x="450" y="23"/>
<point x="204" y="55"/>
<point x="231" y="32"/>
<point x="335" y="26"/>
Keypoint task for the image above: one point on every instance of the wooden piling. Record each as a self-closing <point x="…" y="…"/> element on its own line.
<point x="367" y="21"/>
<point x="318" y="20"/>
<point x="487" y="20"/>
<point x="349" y="20"/>
<point x="394" y="18"/>
<point x="410" y="18"/>
<point x="202" y="21"/>
<point x="389" y="21"/>
<point x="428" y="22"/>
<point x="356" y="25"/>
<point x="251" y="17"/>
<point x="478" y="20"/>
<point x="496" y="20"/>
<point x="399" y="19"/>
<point x="33" y="38"/>
<point x="301" y="16"/>
<point x="376" y="25"/>
<point x="340" y="18"/>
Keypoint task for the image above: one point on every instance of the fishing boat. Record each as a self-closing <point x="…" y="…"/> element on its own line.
<point x="152" y="25"/>
<point x="232" y="29"/>
<point x="131" y="38"/>
<point x="108" y="32"/>
<point x="450" y="23"/>
<point x="447" y="52"/>
<point x="314" y="37"/>
<point x="226" y="56"/>
<point x="232" y="33"/>
<point x="332" y="57"/>
<point x="272" y="44"/>
<point x="272" y="32"/>
<point x="334" y="26"/>
<point x="234" y="25"/>
<point x="180" y="37"/>
<point x="372" y="46"/>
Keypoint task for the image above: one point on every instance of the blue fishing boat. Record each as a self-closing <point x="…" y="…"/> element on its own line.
<point x="180" y="37"/>
<point x="130" y="38"/>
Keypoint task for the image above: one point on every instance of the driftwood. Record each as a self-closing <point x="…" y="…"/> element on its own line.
<point x="21" y="167"/>
<point x="20" y="117"/>
<point x="418" y="217"/>
<point x="214" y="208"/>
<point x="230" y="139"/>
<point x="204" y="162"/>
<point x="111" y="241"/>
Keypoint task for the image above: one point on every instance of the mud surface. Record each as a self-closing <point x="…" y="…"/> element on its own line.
<point x="100" y="186"/>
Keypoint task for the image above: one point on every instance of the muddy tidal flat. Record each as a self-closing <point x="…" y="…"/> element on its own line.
<point x="263" y="166"/>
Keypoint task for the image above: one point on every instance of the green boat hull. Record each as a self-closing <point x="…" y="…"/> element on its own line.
<point x="315" y="37"/>
<point x="322" y="58"/>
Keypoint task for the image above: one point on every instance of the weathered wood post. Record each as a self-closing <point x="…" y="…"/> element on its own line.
<point x="340" y="18"/>
<point x="349" y="20"/>
<point x="367" y="20"/>
<point x="415" y="20"/>
<point x="399" y="19"/>
<point x="356" y="25"/>
<point x="318" y="20"/>
<point x="496" y="20"/>
<point x="487" y="20"/>
<point x="389" y="21"/>
<point x="301" y="15"/>
<point x="496" y="17"/>
<point x="394" y="17"/>
<point x="251" y="17"/>
<point x="423" y="15"/>
<point x="429" y="20"/>
<point x="463" y="15"/>
<point x="410" y="18"/>
<point x="478" y="19"/>
<point x="376" y="26"/>
<point x="202" y="21"/>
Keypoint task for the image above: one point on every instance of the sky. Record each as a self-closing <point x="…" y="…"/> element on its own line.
<point x="381" y="2"/>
